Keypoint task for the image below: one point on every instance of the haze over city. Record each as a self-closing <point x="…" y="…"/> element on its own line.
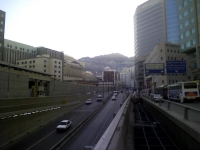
<point x="78" y="28"/>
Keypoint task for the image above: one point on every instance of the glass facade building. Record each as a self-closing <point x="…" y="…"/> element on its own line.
<point x="172" y="21"/>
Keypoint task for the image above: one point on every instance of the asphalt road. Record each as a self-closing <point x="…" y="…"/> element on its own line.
<point x="46" y="137"/>
<point x="95" y="128"/>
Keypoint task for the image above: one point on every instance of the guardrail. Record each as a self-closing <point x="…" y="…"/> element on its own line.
<point x="64" y="140"/>
<point x="187" y="113"/>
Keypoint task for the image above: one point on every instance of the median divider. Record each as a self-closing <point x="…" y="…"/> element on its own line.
<point x="78" y="127"/>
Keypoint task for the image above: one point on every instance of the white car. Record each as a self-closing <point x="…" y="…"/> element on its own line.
<point x="99" y="98"/>
<point x="88" y="101"/>
<point x="65" y="124"/>
<point x="113" y="97"/>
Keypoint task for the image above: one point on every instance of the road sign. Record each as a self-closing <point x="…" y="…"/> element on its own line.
<point x="177" y="67"/>
<point x="154" y="68"/>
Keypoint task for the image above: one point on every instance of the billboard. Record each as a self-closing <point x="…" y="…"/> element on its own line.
<point x="154" y="68"/>
<point x="176" y="67"/>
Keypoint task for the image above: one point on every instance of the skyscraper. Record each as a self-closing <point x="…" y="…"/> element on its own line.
<point x="154" y="21"/>
<point x="149" y="29"/>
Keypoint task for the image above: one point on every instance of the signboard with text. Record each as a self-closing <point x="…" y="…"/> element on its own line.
<point x="177" y="67"/>
<point x="154" y="68"/>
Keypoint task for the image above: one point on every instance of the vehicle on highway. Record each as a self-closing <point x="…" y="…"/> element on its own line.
<point x="115" y="93"/>
<point x="99" y="98"/>
<point x="88" y="101"/>
<point x="183" y="91"/>
<point x="64" y="125"/>
<point x="113" y="97"/>
<point x="157" y="97"/>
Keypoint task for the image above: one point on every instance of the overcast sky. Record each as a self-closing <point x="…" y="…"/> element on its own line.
<point x="79" y="28"/>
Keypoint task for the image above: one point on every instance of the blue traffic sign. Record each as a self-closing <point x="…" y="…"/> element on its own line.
<point x="177" y="67"/>
<point x="154" y="68"/>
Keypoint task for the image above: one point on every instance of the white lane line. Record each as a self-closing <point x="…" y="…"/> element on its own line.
<point x="103" y="124"/>
<point x="45" y="137"/>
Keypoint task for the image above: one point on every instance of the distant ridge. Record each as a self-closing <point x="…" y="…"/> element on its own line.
<point x="114" y="61"/>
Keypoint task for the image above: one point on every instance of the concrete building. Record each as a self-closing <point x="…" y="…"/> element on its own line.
<point x="154" y="21"/>
<point x="126" y="77"/>
<point x="43" y="63"/>
<point x="2" y="31"/>
<point x="160" y="54"/>
<point x="14" y="51"/>
<point x="189" y="29"/>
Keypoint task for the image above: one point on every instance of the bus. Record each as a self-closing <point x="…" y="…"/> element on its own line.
<point x="162" y="90"/>
<point x="183" y="91"/>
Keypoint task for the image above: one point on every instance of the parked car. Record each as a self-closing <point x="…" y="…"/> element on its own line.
<point x="113" y="97"/>
<point x="157" y="97"/>
<point x="64" y="125"/>
<point x="88" y="101"/>
<point x="99" y="98"/>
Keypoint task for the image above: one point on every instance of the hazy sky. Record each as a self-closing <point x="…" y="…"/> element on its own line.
<point x="80" y="28"/>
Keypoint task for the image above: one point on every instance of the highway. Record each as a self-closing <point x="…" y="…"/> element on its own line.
<point x="46" y="137"/>
<point x="95" y="128"/>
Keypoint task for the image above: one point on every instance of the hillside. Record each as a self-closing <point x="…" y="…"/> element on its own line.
<point x="114" y="61"/>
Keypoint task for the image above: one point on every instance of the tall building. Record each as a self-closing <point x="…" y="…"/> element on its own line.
<point x="2" y="30"/>
<point x="154" y="21"/>
<point x="149" y="28"/>
<point x="189" y="29"/>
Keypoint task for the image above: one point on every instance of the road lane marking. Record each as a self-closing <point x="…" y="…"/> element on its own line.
<point x="45" y="136"/>
<point x="103" y="124"/>
<point x="40" y="140"/>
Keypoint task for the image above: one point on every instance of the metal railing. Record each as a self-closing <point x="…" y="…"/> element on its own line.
<point x="187" y="113"/>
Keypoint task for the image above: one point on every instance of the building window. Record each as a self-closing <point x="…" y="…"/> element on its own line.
<point x="20" y="48"/>
<point x="58" y="71"/>
<point x="181" y="58"/>
<point x="193" y="30"/>
<point x="178" y="51"/>
<point x="58" y="66"/>
<point x="59" y="62"/>
<point x="174" y="51"/>
<point x="54" y="75"/>
<point x="167" y="50"/>
<point x="181" y="26"/>
<point x="45" y="61"/>
<point x="33" y="61"/>
<point x="171" y="50"/>
<point x="188" y="44"/>
<point x="185" y="3"/>
<point x="25" y="62"/>
<point x="7" y="45"/>
<point x="181" y="36"/>
<point x="186" y="23"/>
<point x="171" y="58"/>
<point x="161" y="58"/>
<point x="10" y="46"/>
<point x="30" y="62"/>
<point x="169" y="81"/>
<point x="162" y="81"/>
<point x="185" y="13"/>
<point x="194" y="41"/>
<point x="187" y="33"/>
<point x="44" y="70"/>
<point x="27" y="50"/>
<point x="18" y="63"/>
<point x="55" y="66"/>
<point x="15" y="47"/>
<point x="59" y="76"/>
<point x="30" y="66"/>
<point x="22" y="62"/>
<point x="174" y="58"/>
<point x="55" y="61"/>
<point x="33" y="66"/>
<point x="161" y="50"/>
<point x="168" y="57"/>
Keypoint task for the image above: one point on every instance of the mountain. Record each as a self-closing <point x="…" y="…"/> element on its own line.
<point x="114" y="61"/>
